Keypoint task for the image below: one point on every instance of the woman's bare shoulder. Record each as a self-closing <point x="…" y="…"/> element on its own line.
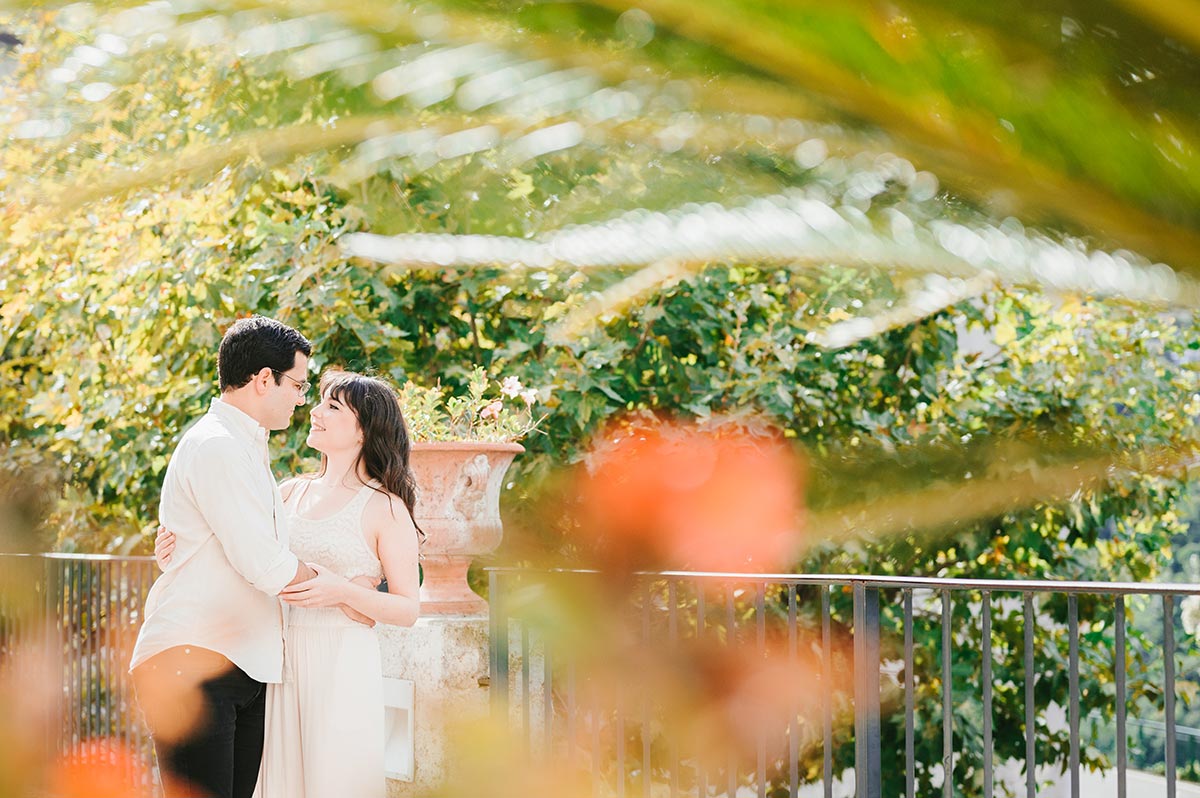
<point x="387" y="510"/>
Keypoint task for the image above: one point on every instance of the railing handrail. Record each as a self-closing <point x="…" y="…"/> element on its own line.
<point x="900" y="582"/>
<point x="1158" y="725"/>
<point x="1154" y="725"/>
<point x="867" y="580"/>
<point x="65" y="555"/>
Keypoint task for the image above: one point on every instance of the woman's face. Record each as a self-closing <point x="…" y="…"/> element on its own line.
<point x="334" y="427"/>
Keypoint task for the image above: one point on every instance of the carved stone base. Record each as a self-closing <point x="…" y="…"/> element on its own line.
<point x="446" y="658"/>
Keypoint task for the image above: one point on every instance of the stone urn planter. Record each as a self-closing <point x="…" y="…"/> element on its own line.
<point x="458" y="507"/>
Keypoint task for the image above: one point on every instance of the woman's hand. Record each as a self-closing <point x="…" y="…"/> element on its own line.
<point x="326" y="589"/>
<point x="369" y="582"/>
<point x="164" y="546"/>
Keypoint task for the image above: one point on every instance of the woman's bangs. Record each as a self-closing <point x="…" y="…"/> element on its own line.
<point x="344" y="388"/>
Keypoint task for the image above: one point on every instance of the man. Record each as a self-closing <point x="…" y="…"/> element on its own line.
<point x="213" y="629"/>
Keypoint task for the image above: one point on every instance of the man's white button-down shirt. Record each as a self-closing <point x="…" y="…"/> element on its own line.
<point x="231" y="554"/>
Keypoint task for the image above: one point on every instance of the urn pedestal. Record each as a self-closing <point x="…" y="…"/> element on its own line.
<point x="445" y="654"/>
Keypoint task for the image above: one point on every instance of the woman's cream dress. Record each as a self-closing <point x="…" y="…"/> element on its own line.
<point x="324" y="723"/>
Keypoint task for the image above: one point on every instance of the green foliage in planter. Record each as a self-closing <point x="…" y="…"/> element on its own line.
<point x="476" y="415"/>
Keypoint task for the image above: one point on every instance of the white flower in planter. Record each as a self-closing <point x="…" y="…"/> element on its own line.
<point x="1190" y="612"/>
<point x="511" y="386"/>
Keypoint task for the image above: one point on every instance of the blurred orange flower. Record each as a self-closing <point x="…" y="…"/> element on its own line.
<point x="673" y="495"/>
<point x="103" y="769"/>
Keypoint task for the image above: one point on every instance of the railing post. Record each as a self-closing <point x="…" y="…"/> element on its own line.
<point x="867" y="758"/>
<point x="497" y="648"/>
<point x="826" y="694"/>
<point x="947" y="698"/>
<point x="910" y="762"/>
<point x="1121" y="699"/>
<point x="1030" y="716"/>
<point x="1073" y="690"/>
<point x="989" y="749"/>
<point x="1169" y="692"/>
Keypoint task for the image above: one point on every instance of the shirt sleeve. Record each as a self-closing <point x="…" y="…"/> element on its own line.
<point x="238" y="504"/>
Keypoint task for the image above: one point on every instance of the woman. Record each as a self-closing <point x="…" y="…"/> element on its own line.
<point x="353" y="518"/>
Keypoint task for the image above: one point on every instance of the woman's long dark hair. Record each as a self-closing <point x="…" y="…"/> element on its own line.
<point x="386" y="446"/>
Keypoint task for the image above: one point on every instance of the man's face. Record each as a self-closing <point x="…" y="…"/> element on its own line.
<point x="284" y="398"/>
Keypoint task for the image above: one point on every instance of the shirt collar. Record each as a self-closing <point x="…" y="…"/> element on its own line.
<point x="239" y="421"/>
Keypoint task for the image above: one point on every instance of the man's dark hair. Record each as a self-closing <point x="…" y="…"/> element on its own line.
<point x="253" y="344"/>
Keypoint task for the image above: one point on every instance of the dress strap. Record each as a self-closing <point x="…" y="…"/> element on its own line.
<point x="364" y="496"/>
<point x="359" y="503"/>
<point x="299" y="489"/>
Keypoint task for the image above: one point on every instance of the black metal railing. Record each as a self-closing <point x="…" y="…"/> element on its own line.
<point x="79" y="614"/>
<point x="1019" y="637"/>
<point x="82" y="613"/>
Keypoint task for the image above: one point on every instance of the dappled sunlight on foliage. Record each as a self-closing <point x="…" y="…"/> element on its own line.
<point x="233" y="188"/>
<point x="1045" y="117"/>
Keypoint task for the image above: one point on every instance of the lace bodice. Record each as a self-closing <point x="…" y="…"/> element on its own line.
<point x="335" y="542"/>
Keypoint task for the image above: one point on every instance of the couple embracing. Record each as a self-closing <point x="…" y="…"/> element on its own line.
<point x="257" y="667"/>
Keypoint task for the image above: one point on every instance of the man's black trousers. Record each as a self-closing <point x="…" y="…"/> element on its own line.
<point x="220" y="755"/>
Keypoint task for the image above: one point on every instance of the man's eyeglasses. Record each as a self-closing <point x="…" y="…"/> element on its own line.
<point x="302" y="387"/>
